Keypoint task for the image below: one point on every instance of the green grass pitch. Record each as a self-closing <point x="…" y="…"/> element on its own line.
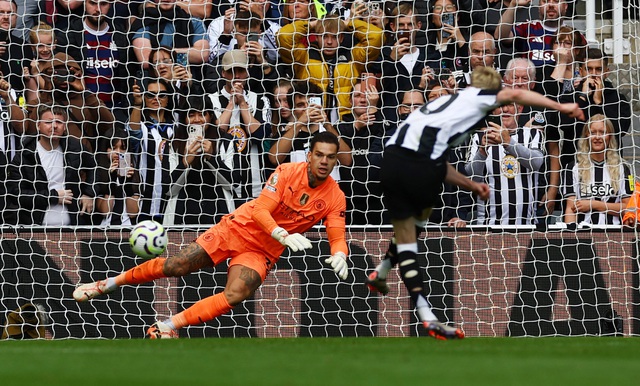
<point x="323" y="361"/>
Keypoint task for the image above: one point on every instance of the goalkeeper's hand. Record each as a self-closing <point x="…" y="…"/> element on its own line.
<point x="339" y="264"/>
<point x="295" y="241"/>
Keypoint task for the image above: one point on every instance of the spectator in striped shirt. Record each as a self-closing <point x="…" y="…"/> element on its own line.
<point x="507" y="158"/>
<point x="100" y="45"/>
<point x="599" y="185"/>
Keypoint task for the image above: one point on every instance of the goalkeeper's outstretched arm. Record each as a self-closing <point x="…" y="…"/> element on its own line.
<point x="263" y="207"/>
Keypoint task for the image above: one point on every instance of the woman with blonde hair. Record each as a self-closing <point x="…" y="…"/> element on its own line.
<point x="599" y="184"/>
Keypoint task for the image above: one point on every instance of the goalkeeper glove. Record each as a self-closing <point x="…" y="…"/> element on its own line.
<point x="295" y="241"/>
<point x="339" y="264"/>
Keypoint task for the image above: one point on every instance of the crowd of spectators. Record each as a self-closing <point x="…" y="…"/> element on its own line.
<point x="119" y="111"/>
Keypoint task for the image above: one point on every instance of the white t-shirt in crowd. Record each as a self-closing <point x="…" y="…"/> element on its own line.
<point x="53" y="164"/>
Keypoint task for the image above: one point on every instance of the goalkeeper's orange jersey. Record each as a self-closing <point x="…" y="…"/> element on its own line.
<point x="293" y="205"/>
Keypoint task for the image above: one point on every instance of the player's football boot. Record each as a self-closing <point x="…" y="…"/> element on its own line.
<point x="85" y="292"/>
<point x="159" y="330"/>
<point x="377" y="284"/>
<point x="441" y="331"/>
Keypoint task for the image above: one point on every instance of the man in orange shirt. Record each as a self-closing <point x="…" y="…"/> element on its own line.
<point x="295" y="198"/>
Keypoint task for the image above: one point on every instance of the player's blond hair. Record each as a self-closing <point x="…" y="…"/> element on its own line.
<point x="486" y="78"/>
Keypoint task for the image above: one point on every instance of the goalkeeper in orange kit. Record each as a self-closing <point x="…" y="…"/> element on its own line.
<point x="295" y="198"/>
<point x="630" y="217"/>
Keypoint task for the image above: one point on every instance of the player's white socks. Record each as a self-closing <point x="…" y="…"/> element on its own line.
<point x="110" y="284"/>
<point x="424" y="310"/>
<point x="169" y="323"/>
<point x="383" y="268"/>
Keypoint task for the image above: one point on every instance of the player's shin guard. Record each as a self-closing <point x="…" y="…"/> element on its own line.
<point x="203" y="311"/>
<point x="143" y="273"/>
<point x="411" y="275"/>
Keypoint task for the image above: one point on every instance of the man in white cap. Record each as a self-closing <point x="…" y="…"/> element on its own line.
<point x="247" y="117"/>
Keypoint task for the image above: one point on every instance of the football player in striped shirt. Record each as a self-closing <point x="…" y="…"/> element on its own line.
<point x="415" y="166"/>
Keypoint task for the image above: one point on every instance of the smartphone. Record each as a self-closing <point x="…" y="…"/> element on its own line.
<point x="194" y="131"/>
<point x="447" y="18"/>
<point x="369" y="79"/>
<point x="403" y="34"/>
<point x="315" y="101"/>
<point x="252" y="37"/>
<point x="124" y="162"/>
<point x="182" y="59"/>
<point x="373" y="6"/>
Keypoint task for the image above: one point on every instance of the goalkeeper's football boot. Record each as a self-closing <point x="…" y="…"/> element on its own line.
<point x="441" y="331"/>
<point x="377" y="284"/>
<point x="159" y="330"/>
<point x="85" y="292"/>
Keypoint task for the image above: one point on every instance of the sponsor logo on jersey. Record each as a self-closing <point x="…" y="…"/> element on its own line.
<point x="510" y="166"/>
<point x="360" y="152"/>
<point x="596" y="190"/>
<point x="293" y="214"/>
<point x="542" y="55"/>
<point x="104" y="63"/>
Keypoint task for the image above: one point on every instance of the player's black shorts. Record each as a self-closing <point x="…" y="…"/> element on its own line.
<point x="411" y="182"/>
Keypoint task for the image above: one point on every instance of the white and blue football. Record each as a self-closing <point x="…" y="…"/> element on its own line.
<point x="148" y="239"/>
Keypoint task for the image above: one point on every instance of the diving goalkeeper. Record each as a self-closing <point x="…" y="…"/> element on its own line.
<point x="295" y="198"/>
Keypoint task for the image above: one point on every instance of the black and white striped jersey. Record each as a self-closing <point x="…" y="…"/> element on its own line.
<point x="248" y="144"/>
<point x="154" y="137"/>
<point x="444" y="122"/>
<point x="599" y="188"/>
<point x="512" y="174"/>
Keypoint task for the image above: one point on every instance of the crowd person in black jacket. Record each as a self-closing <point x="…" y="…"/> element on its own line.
<point x="363" y="132"/>
<point x="50" y="181"/>
<point x="204" y="167"/>
<point x="595" y="95"/>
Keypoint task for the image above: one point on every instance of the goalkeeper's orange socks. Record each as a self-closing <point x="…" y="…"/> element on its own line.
<point x="143" y="273"/>
<point x="201" y="312"/>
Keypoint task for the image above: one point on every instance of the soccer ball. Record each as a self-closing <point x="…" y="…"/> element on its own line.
<point x="148" y="239"/>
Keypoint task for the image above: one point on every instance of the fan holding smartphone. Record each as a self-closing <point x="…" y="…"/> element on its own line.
<point x="448" y="21"/>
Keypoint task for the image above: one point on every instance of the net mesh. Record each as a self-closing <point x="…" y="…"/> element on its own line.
<point x="159" y="120"/>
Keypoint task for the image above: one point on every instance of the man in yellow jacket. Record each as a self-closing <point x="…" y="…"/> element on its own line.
<point x="327" y="63"/>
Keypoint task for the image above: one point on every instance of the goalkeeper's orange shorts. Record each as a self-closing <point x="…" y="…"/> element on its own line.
<point x="221" y="244"/>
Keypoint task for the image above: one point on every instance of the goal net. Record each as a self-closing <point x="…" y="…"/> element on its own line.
<point x="118" y="112"/>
